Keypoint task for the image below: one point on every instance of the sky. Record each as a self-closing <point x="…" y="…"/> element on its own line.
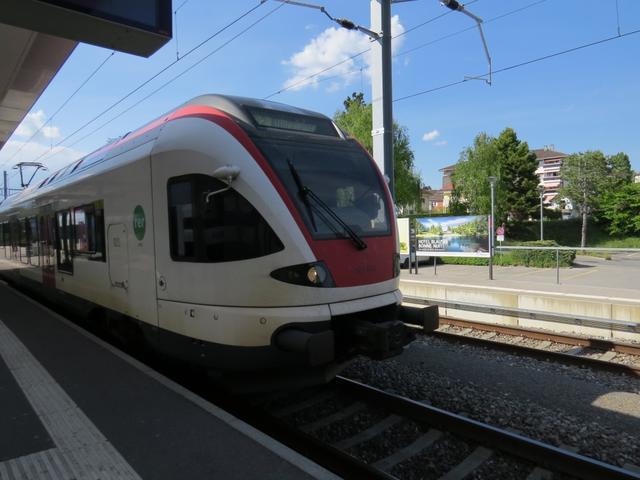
<point x="584" y="100"/>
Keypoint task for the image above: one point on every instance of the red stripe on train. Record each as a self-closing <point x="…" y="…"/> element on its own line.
<point x="349" y="266"/>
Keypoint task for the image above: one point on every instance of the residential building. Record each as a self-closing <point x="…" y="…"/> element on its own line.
<point x="636" y="177"/>
<point x="432" y="200"/>
<point x="447" y="185"/>
<point x="549" y="163"/>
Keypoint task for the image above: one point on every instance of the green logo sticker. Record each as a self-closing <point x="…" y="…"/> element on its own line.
<point x="139" y="222"/>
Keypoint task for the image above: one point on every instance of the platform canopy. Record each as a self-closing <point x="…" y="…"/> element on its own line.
<point x="37" y="36"/>
<point x="139" y="27"/>
<point x="28" y="63"/>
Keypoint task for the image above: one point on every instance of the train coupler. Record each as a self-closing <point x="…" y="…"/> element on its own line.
<point x="426" y="317"/>
<point x="381" y="340"/>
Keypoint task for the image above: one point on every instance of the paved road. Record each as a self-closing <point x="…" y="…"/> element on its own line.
<point x="618" y="277"/>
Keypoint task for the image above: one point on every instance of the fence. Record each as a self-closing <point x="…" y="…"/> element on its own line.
<point x="413" y="264"/>
<point x="576" y="249"/>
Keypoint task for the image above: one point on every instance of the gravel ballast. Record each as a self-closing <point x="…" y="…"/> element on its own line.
<point x="550" y="402"/>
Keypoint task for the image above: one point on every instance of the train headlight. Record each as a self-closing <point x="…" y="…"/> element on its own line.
<point x="316" y="274"/>
<point x="307" y="274"/>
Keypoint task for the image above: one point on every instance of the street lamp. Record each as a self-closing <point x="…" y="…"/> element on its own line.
<point x="492" y="183"/>
<point x="541" y="190"/>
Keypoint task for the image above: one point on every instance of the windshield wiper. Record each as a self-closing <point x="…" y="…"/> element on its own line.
<point x="305" y="192"/>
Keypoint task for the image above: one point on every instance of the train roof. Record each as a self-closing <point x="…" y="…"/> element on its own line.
<point x="240" y="108"/>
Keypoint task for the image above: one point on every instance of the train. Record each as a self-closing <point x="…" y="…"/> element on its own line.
<point x="246" y="237"/>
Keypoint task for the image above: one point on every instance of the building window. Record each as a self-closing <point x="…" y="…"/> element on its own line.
<point x="64" y="237"/>
<point x="223" y="229"/>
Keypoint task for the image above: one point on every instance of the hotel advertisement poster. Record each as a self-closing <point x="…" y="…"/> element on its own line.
<point x="459" y="236"/>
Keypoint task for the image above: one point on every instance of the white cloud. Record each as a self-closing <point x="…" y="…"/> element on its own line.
<point x="330" y="47"/>
<point x="441" y="143"/>
<point x="430" y="136"/>
<point x="34" y="121"/>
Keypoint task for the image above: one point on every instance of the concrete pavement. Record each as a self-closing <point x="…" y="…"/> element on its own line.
<point x="593" y="276"/>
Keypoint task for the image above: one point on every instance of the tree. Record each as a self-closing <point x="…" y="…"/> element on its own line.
<point x="619" y="171"/>
<point x="471" y="191"/>
<point x="356" y="119"/>
<point x="584" y="176"/>
<point x="621" y="208"/>
<point x="510" y="161"/>
<point x="517" y="179"/>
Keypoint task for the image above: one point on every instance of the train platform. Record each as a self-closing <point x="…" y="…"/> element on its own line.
<point x="74" y="407"/>
<point x="617" y="278"/>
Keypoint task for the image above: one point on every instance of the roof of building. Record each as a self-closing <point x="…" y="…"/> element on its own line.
<point x="543" y="154"/>
<point x="436" y="195"/>
<point x="448" y="167"/>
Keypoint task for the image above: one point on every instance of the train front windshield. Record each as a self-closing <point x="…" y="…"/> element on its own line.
<point x="341" y="175"/>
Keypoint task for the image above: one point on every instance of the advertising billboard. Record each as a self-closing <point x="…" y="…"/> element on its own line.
<point x="459" y="236"/>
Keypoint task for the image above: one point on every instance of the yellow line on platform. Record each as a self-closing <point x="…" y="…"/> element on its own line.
<point x="524" y="274"/>
<point x="581" y="274"/>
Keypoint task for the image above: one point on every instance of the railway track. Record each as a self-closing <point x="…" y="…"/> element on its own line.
<point x="573" y="349"/>
<point x="358" y="431"/>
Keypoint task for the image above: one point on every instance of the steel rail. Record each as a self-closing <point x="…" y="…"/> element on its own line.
<point x="322" y="453"/>
<point x="539" y="353"/>
<point x="548" y="456"/>
<point x="565" y="338"/>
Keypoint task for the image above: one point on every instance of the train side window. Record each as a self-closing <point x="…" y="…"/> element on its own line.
<point x="3" y="239"/>
<point x="88" y="225"/>
<point x="64" y="241"/>
<point x="33" y="249"/>
<point x="24" y="242"/>
<point x="46" y="239"/>
<point x="181" y="234"/>
<point x="226" y="228"/>
<point x="15" y="239"/>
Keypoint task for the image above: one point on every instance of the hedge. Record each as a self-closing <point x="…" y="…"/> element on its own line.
<point x="526" y="258"/>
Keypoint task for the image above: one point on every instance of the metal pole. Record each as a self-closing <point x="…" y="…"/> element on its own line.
<point x="541" y="217"/>
<point x="415" y="250"/>
<point x="557" y="265"/>
<point x="491" y="229"/>
<point x="381" y="92"/>
<point x="6" y="189"/>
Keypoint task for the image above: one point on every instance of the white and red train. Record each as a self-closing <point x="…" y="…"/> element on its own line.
<point x="237" y="234"/>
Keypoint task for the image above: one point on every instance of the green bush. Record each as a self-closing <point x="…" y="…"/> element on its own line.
<point x="526" y="258"/>
<point x="536" y="258"/>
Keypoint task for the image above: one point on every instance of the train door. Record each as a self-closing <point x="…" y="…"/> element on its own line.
<point x="47" y="251"/>
<point x="118" y="255"/>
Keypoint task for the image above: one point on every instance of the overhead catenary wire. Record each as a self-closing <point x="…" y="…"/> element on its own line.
<point x="524" y="63"/>
<point x="216" y="50"/>
<point x="175" y="26"/>
<point x="154" y="76"/>
<point x="64" y="104"/>
<point x="305" y="80"/>
<point x="310" y="79"/>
